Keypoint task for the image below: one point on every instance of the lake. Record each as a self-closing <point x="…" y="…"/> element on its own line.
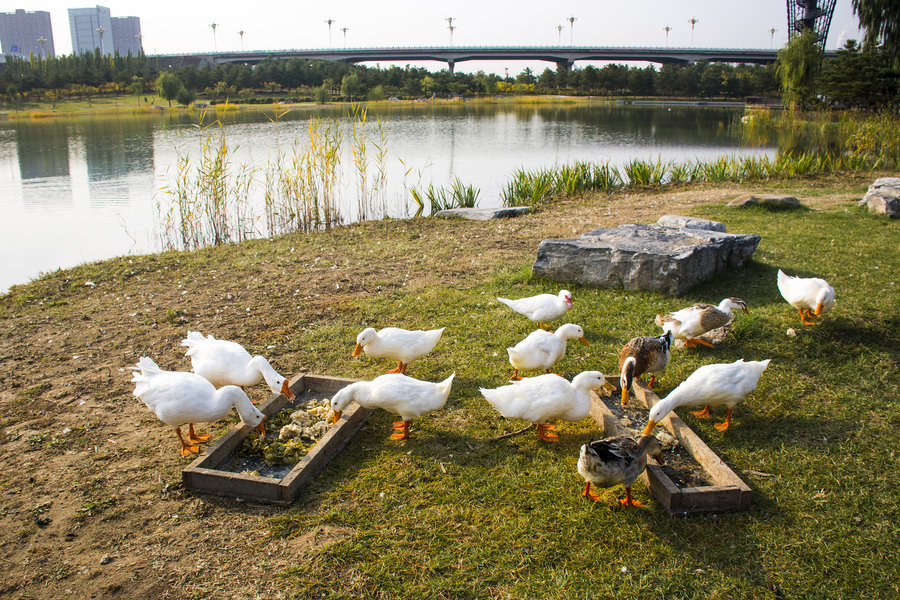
<point x="74" y="190"/>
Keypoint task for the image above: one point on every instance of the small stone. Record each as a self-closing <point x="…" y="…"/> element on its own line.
<point x="106" y="560"/>
<point x="791" y="332"/>
<point x="769" y="200"/>
<point x="483" y="214"/>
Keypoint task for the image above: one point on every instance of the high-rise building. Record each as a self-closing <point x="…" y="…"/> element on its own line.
<point x="25" y="33"/>
<point x="126" y="35"/>
<point x="91" y="29"/>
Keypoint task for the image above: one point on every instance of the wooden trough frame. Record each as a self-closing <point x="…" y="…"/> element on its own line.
<point x="205" y="475"/>
<point x="728" y="492"/>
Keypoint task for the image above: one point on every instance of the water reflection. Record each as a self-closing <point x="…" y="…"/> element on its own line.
<point x="44" y="150"/>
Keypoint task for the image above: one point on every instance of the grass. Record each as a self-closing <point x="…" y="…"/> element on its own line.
<point x="447" y="514"/>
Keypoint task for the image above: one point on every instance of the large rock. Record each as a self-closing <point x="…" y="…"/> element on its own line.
<point x="643" y="257"/>
<point x="769" y="200"/>
<point x="483" y="214"/>
<point x="883" y="197"/>
<point x="690" y="223"/>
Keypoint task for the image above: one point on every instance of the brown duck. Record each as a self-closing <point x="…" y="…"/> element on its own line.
<point x="689" y="323"/>
<point x="643" y="355"/>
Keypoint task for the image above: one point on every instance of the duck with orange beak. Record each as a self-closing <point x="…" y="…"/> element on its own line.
<point x="401" y="345"/>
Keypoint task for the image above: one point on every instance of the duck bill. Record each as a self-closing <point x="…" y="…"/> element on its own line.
<point x="746" y="310"/>
<point x="261" y="429"/>
<point x="286" y="390"/>
<point x="818" y="309"/>
<point x="337" y="416"/>
<point x="583" y="341"/>
<point x="649" y="427"/>
<point x="609" y="387"/>
<point x="569" y="303"/>
<point x="357" y="350"/>
<point x="625" y="393"/>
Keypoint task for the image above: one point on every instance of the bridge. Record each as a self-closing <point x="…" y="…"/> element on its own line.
<point x="562" y="56"/>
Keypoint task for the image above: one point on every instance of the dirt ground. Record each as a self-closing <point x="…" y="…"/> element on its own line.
<point x="92" y="504"/>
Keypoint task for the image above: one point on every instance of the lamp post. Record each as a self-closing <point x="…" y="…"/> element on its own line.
<point x="214" y="25"/>
<point x="241" y="33"/>
<point x="667" y="30"/>
<point x="571" y="21"/>
<point x="693" y="21"/>
<point x="329" y="21"/>
<point x="450" y="27"/>
<point x="344" y="30"/>
<point x="772" y="40"/>
<point x="42" y="40"/>
<point x="100" y="30"/>
<point x="559" y="29"/>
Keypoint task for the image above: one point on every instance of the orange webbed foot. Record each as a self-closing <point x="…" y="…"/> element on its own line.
<point x="702" y="414"/>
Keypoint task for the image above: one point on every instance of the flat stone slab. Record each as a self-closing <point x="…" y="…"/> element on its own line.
<point x="883" y="197"/>
<point x="644" y="257"/>
<point x="770" y="200"/>
<point x="483" y="214"/>
<point x="690" y="223"/>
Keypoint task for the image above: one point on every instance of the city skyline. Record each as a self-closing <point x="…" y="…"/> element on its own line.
<point x="168" y="27"/>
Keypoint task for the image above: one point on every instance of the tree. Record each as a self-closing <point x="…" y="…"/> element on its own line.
<point x="352" y="87"/>
<point x="881" y="21"/>
<point x="167" y="85"/>
<point x="184" y="96"/>
<point x="797" y="67"/>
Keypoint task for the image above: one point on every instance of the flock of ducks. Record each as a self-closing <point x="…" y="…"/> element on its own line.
<point x="221" y="369"/>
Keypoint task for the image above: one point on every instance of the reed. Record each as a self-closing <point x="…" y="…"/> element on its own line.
<point x="645" y="173"/>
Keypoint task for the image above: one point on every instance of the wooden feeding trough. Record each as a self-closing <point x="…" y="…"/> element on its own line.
<point x="210" y="473"/>
<point x="717" y="488"/>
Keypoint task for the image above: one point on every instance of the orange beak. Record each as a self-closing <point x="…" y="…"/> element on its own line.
<point x="357" y="350"/>
<point x="261" y="429"/>
<point x="818" y="309"/>
<point x="584" y="341"/>
<point x="746" y="310"/>
<point x="649" y="427"/>
<point x="337" y="416"/>
<point x="286" y="390"/>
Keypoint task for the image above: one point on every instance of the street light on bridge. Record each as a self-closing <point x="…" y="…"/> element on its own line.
<point x="450" y="27"/>
<point x="571" y="21"/>
<point x="214" y="25"/>
<point x="241" y="33"/>
<point x="329" y="21"/>
<point x="344" y="30"/>
<point x="693" y="21"/>
<point x="772" y="40"/>
<point x="559" y="29"/>
<point x="667" y="30"/>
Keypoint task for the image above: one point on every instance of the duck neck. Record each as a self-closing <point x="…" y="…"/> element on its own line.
<point x="626" y="380"/>
<point x="260" y="366"/>
<point x="240" y="401"/>
<point x="725" y="306"/>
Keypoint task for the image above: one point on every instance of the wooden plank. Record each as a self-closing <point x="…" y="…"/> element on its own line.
<point x="206" y="475"/>
<point x="728" y="493"/>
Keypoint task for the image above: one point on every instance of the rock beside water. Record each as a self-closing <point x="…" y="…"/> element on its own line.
<point x="883" y="197"/>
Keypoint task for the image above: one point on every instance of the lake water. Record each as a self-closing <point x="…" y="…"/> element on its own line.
<point x="82" y="189"/>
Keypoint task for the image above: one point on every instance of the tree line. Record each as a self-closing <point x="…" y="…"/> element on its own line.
<point x="857" y="77"/>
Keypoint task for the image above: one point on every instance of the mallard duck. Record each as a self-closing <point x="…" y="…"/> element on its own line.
<point x="711" y="385"/>
<point x="643" y="355"/>
<point x="615" y="460"/>
<point x="546" y="397"/>
<point x="542" y="349"/>
<point x="228" y="363"/>
<point x="689" y="323"/>
<point x="542" y="308"/>
<point x="179" y="398"/>
<point x="401" y="345"/>
<point x="396" y="393"/>
<point x="811" y="296"/>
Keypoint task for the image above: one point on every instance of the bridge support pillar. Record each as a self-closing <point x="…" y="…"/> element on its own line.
<point x="450" y="65"/>
<point x="565" y="64"/>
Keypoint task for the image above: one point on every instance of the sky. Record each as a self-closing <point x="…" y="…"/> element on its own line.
<point x="173" y="27"/>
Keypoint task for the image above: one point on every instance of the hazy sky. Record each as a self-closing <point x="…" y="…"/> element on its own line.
<point x="170" y="27"/>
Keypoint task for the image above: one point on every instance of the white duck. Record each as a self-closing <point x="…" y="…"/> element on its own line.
<point x="542" y="349"/>
<point x="689" y="323"/>
<point x="811" y="296"/>
<point x="401" y="345"/>
<point x="545" y="397"/>
<point x="228" y="363"/>
<point x="711" y="385"/>
<point x="542" y="308"/>
<point x="615" y="460"/>
<point x="179" y="398"/>
<point x="396" y="393"/>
